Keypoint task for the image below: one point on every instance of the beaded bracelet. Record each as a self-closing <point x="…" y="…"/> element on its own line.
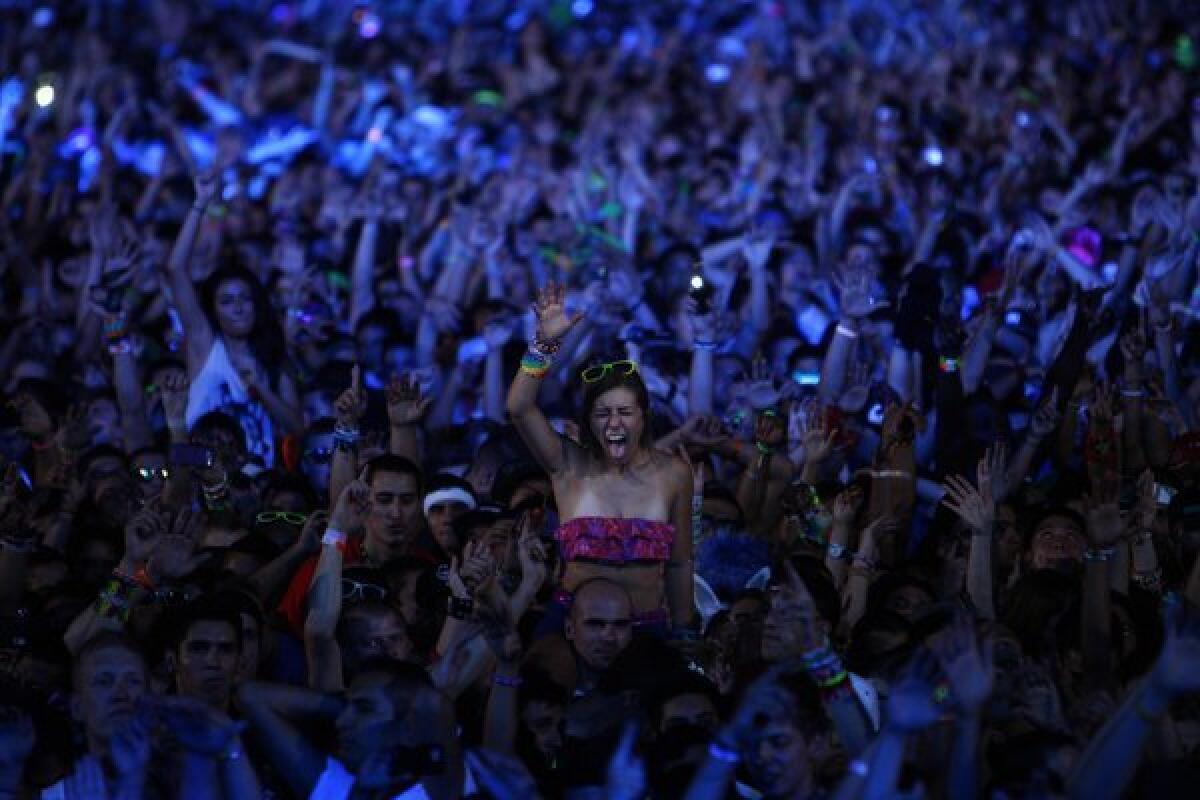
<point x="345" y="437"/>
<point x="113" y="601"/>
<point x="535" y="364"/>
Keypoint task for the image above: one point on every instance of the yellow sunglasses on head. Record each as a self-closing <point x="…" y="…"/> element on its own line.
<point x="600" y="371"/>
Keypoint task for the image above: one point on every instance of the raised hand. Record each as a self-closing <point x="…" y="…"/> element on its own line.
<point x="353" y="505"/>
<point x="478" y="568"/>
<point x="846" y="505"/>
<point x="1104" y="527"/>
<point x="770" y="429"/>
<point x="142" y="533"/>
<point x="703" y="431"/>
<point x="966" y="662"/>
<point x="309" y="540"/>
<point x="762" y="390"/>
<point x="816" y="436"/>
<point x="855" y="285"/>
<point x="406" y="405"/>
<point x="532" y="556"/>
<point x="1046" y="418"/>
<point x="175" y="552"/>
<point x="553" y="323"/>
<point x="626" y="769"/>
<point x="975" y="506"/>
<point x="351" y="404"/>
<point x="912" y="705"/>
<point x="174" y="391"/>
<point x="207" y="186"/>
<point x="756" y="248"/>
<point x="858" y="387"/>
<point x="1177" y="670"/>
<point x="793" y="608"/>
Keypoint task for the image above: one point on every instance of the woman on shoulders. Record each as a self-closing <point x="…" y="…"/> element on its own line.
<point x="625" y="507"/>
<point x="234" y="346"/>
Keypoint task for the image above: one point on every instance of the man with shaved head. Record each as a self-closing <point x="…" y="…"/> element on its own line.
<point x="599" y="627"/>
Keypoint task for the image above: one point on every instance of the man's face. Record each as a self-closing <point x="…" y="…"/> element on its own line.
<point x="440" y="517"/>
<point x="689" y="709"/>
<point x="545" y="721"/>
<point x="208" y="662"/>
<point x="600" y="625"/>
<point x="909" y="602"/>
<point x="779" y="761"/>
<point x="378" y="635"/>
<point x="367" y="705"/>
<point x="783" y="635"/>
<point x="110" y="685"/>
<point x="395" y="516"/>
<point x="1057" y="542"/>
<point x="316" y="459"/>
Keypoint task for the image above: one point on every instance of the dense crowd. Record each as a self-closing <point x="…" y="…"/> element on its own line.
<point x="789" y="399"/>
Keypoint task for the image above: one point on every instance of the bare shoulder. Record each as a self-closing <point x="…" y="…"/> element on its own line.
<point x="678" y="470"/>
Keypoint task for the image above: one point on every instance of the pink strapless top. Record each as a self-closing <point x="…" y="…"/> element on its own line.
<point x="615" y="539"/>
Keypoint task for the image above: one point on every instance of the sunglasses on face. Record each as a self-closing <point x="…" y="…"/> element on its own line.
<point x="600" y="371"/>
<point x="290" y="517"/>
<point x="148" y="474"/>
<point x="357" y="590"/>
<point x="319" y="455"/>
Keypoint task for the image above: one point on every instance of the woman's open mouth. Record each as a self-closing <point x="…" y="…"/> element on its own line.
<point x="616" y="444"/>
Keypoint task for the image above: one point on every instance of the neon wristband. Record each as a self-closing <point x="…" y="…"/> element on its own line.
<point x="336" y="538"/>
<point x="849" y="333"/>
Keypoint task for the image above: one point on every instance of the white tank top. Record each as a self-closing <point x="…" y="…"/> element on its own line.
<point x="218" y="387"/>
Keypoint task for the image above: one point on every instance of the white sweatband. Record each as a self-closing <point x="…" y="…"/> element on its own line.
<point x="451" y="494"/>
<point x="334" y="537"/>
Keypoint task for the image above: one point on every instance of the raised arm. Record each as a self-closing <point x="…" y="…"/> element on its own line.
<point x="350" y="407"/>
<point x="547" y="446"/>
<point x="406" y="407"/>
<point x="272" y="710"/>
<point x="1111" y="759"/>
<point x="977" y="508"/>
<point x="197" y="331"/>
